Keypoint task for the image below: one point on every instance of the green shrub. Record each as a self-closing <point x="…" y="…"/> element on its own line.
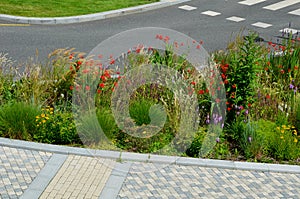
<point x="17" y="120"/>
<point x="56" y="127"/>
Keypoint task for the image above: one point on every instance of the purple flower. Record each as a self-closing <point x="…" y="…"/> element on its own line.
<point x="218" y="140"/>
<point x="291" y="86"/>
<point x="250" y="139"/>
<point x="246" y="112"/>
<point x="295" y="90"/>
<point x="238" y="113"/>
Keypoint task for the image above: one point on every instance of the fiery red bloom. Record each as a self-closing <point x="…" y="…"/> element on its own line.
<point x="102" y="85"/>
<point x="79" y="63"/>
<point x="112" y="61"/>
<point x="268" y="96"/>
<point x="103" y="78"/>
<point x="71" y="88"/>
<point x="249" y="105"/>
<point x="193" y="83"/>
<point x="228" y="109"/>
<point x="98" y="91"/>
<point x="226" y="81"/>
<point x="233" y="86"/>
<point x="198" y="46"/>
<point x="201" y="92"/>
<point x="207" y="91"/>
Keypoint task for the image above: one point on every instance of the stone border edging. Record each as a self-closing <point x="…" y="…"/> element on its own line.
<point x="90" y="17"/>
<point x="149" y="158"/>
<point x="44" y="177"/>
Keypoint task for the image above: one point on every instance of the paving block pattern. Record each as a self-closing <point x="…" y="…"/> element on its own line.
<point x="174" y="181"/>
<point x="79" y="177"/>
<point x="18" y="168"/>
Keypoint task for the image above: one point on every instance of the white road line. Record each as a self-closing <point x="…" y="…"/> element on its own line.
<point x="187" y="7"/>
<point x="281" y="4"/>
<point x="251" y="2"/>
<point x="235" y="19"/>
<point x="295" y="12"/>
<point x="210" y="13"/>
<point x="262" y="25"/>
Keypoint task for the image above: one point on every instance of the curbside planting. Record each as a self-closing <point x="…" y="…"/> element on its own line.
<point x="90" y="17"/>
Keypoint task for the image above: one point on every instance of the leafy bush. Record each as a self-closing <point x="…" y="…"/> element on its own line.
<point x="56" y="127"/>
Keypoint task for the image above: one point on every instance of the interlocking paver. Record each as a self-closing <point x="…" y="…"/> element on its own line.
<point x="18" y="168"/>
<point x="176" y="181"/>
<point x="79" y="177"/>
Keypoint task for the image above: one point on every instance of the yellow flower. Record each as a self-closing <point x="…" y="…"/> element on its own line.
<point x="37" y="117"/>
<point x="44" y="121"/>
<point x="36" y="120"/>
<point x="42" y="115"/>
<point x="293" y="127"/>
<point x="295" y="140"/>
<point x="283" y="126"/>
<point x="51" y="109"/>
<point x="278" y="128"/>
<point x="47" y="118"/>
<point x="294" y="132"/>
<point x="281" y="137"/>
<point x="282" y="131"/>
<point x="37" y="125"/>
<point x="51" y="113"/>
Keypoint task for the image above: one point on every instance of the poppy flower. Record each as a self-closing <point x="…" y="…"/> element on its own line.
<point x="201" y="92"/>
<point x="71" y="88"/>
<point x="102" y="85"/>
<point x="268" y="96"/>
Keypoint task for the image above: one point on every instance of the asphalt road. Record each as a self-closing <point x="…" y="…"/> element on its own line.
<point x="21" y="42"/>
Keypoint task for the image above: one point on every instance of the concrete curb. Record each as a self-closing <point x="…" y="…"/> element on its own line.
<point x="149" y="158"/>
<point x="90" y="17"/>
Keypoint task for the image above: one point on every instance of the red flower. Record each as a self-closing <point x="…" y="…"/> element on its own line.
<point x="228" y="109"/>
<point x="198" y="46"/>
<point x="201" y="42"/>
<point x="201" y="92"/>
<point x="193" y="83"/>
<point x="249" y="105"/>
<point x="102" y="85"/>
<point x="103" y="78"/>
<point x="296" y="67"/>
<point x="87" y="88"/>
<point x="226" y="81"/>
<point x="282" y="71"/>
<point x="79" y="63"/>
<point x="71" y="56"/>
<point x="218" y="100"/>
<point x="112" y="61"/>
<point x="167" y="38"/>
<point x="233" y="86"/>
<point x="207" y="91"/>
<point x="71" y="88"/>
<point x="268" y="96"/>
<point x="98" y="91"/>
<point x="223" y="76"/>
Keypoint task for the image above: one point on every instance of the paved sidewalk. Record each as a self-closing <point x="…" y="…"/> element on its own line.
<point x="32" y="170"/>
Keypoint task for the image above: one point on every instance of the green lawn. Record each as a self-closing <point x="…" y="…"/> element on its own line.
<point x="61" y="8"/>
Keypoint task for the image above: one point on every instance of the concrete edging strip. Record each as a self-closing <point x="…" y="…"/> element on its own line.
<point x="90" y="17"/>
<point x="40" y="183"/>
<point x="151" y="158"/>
<point x="115" y="180"/>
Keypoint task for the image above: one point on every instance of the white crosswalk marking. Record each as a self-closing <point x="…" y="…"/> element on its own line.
<point x="262" y="25"/>
<point x="295" y="12"/>
<point x="187" y="7"/>
<point x="235" y="19"/>
<point x="210" y="13"/>
<point x="281" y="4"/>
<point x="251" y="2"/>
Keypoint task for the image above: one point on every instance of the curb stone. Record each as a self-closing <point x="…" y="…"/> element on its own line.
<point x="134" y="157"/>
<point x="90" y="17"/>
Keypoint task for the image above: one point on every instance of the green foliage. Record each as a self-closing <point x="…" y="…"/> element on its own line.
<point x="17" y="120"/>
<point x="55" y="127"/>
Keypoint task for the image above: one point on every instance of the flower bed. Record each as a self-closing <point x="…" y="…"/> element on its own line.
<point x="262" y="102"/>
